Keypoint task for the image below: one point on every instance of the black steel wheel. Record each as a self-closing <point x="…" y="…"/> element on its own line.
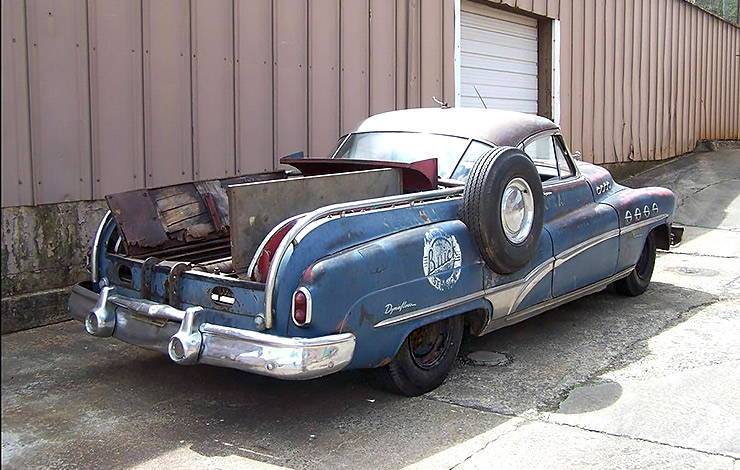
<point x="426" y="357"/>
<point x="639" y="279"/>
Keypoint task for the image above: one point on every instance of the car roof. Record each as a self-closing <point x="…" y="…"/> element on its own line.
<point x="494" y="126"/>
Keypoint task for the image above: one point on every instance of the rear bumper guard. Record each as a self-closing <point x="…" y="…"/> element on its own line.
<point x="180" y="335"/>
<point x="676" y="235"/>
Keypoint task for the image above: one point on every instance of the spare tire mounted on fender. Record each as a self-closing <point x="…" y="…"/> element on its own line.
<point x="503" y="207"/>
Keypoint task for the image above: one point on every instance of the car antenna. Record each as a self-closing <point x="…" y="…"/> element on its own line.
<point x="480" y="97"/>
<point x="442" y="104"/>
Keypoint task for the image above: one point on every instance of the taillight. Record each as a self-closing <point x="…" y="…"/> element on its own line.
<point x="301" y="307"/>
<point x="264" y="255"/>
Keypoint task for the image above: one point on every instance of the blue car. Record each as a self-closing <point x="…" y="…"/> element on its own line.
<point x="422" y="226"/>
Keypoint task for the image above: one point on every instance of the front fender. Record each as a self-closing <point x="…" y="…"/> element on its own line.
<point x="389" y="285"/>
<point x="640" y="211"/>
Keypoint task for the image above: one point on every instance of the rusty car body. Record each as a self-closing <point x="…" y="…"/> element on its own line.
<point x="423" y="224"/>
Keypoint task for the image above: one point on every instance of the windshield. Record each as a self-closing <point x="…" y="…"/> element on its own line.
<point x="405" y="147"/>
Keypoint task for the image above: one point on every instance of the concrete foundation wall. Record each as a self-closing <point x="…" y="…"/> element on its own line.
<point x="43" y="253"/>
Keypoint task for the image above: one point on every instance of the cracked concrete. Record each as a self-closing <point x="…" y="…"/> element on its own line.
<point x="604" y="382"/>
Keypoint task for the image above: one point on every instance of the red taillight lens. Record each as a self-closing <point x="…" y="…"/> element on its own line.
<point x="300" y="308"/>
<point x="264" y="257"/>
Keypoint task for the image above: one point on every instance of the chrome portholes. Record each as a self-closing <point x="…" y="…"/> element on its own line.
<point x="517" y="210"/>
<point x="646" y="212"/>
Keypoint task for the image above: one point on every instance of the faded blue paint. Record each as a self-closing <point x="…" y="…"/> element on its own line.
<point x="366" y="267"/>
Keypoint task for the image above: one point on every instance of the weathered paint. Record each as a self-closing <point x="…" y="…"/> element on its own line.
<point x="381" y="260"/>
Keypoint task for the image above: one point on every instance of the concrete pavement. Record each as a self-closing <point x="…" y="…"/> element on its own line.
<point x="604" y="382"/>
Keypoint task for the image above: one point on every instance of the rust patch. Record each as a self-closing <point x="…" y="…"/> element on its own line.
<point x="384" y="362"/>
<point x="343" y="326"/>
<point x="424" y="216"/>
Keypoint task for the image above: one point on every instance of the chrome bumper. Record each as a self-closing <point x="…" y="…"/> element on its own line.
<point x="178" y="334"/>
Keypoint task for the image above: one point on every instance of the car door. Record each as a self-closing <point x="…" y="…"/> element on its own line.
<point x="584" y="233"/>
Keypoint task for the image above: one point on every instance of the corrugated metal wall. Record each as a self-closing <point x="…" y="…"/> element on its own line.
<point x="100" y="96"/>
<point x="644" y="80"/>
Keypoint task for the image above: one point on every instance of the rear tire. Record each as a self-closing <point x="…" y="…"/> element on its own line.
<point x="639" y="279"/>
<point x="425" y="358"/>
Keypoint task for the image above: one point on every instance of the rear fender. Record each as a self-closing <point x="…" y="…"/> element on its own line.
<point x="379" y="290"/>
<point x="339" y="235"/>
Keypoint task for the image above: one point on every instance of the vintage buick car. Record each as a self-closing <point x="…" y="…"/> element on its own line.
<point x="424" y="224"/>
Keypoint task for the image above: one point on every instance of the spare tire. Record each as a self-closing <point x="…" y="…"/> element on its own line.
<point x="503" y="208"/>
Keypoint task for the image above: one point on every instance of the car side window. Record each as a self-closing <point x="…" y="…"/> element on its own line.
<point x="542" y="153"/>
<point x="563" y="165"/>
<point x="472" y="154"/>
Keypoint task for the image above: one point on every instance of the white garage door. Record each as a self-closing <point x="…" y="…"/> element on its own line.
<point x="498" y="57"/>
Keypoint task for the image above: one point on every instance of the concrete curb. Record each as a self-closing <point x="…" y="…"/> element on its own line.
<point x="26" y="311"/>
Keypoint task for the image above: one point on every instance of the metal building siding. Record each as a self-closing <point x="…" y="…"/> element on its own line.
<point x="212" y="65"/>
<point x="116" y="96"/>
<point x="266" y="81"/>
<point x="431" y="52"/>
<point x="290" y="44"/>
<point x="167" y="92"/>
<point x="355" y="61"/>
<point x="498" y="58"/>
<point x="383" y="56"/>
<point x="17" y="181"/>
<point x="323" y="77"/>
<point x="59" y="99"/>
<point x="448" y="51"/>
<point x="253" y="85"/>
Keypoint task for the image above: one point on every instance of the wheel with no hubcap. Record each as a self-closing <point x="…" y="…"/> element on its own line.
<point x="639" y="279"/>
<point x="426" y="357"/>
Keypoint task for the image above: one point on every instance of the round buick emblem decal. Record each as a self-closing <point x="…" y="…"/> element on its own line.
<point x="442" y="259"/>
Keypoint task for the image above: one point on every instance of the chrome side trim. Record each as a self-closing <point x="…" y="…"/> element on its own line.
<point x="642" y="223"/>
<point x="96" y="243"/>
<point x="367" y="204"/>
<point x="552" y="303"/>
<point x="507" y="296"/>
<point x="585" y="245"/>
<point x="253" y="263"/>
<point x="429" y="310"/>
<point x="532" y="279"/>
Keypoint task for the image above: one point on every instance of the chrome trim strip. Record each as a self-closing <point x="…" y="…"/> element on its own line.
<point x="532" y="279"/>
<point x="554" y="132"/>
<point x="430" y="310"/>
<point x="261" y="246"/>
<point x="333" y="210"/>
<point x="552" y="303"/>
<point x="96" y="242"/>
<point x="339" y="147"/>
<point x="309" y="307"/>
<point x="642" y="223"/>
<point x="505" y="290"/>
<point x="576" y="250"/>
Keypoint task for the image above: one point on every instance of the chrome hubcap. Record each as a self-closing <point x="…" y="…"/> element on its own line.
<point x="517" y="210"/>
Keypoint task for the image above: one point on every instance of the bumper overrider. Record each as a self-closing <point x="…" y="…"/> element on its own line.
<point x="179" y="334"/>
